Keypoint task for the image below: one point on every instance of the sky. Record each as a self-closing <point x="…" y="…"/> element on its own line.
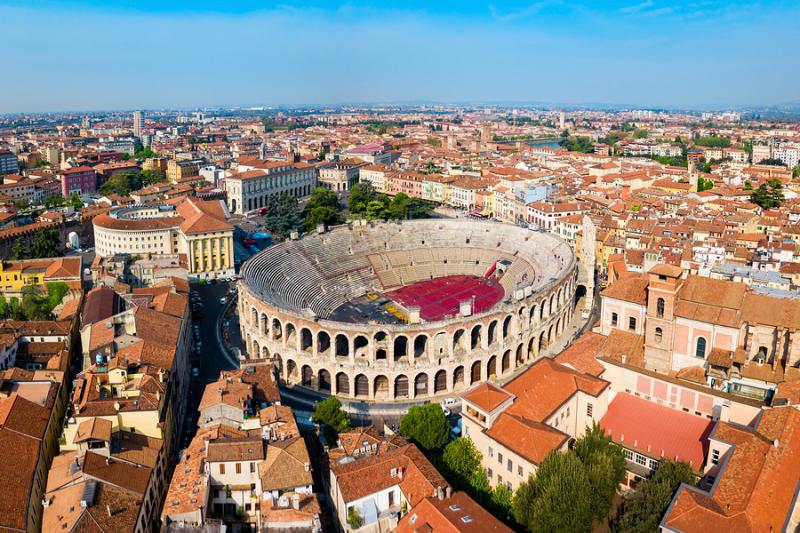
<point x="64" y="55"/>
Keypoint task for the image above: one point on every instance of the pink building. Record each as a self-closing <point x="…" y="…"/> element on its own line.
<point x="82" y="180"/>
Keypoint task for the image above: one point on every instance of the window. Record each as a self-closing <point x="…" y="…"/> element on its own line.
<point x="391" y="499"/>
<point x="628" y="455"/>
<point x="614" y="319"/>
<point x="222" y="469"/>
<point x="632" y="324"/>
<point x="500" y="458"/>
<point x="491" y="452"/>
<point x="519" y="471"/>
<point x="499" y="480"/>
<point x="252" y="467"/>
<point x="714" y="457"/>
<point x="700" y="351"/>
<point x="653" y="464"/>
<point x="589" y="409"/>
<point x="659" y="335"/>
<point x="238" y="468"/>
<point x="489" y="473"/>
<point x="509" y="466"/>
<point x="660" y="307"/>
<point x="641" y="460"/>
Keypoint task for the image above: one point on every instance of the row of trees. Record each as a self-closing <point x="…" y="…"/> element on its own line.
<point x="36" y="304"/>
<point x="125" y="183"/>
<point x="44" y="244"/>
<point x="365" y="202"/>
<point x="323" y="207"/>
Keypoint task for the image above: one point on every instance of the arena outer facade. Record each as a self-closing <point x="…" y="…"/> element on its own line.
<point x="402" y="362"/>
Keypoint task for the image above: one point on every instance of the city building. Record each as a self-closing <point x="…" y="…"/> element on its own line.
<point x="195" y="228"/>
<point x="81" y="180"/>
<point x="258" y="183"/>
<point x="8" y="162"/>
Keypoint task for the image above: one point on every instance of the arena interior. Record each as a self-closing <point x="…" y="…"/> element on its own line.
<point x="406" y="310"/>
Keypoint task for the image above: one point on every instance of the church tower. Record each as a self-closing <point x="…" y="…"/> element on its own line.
<point x="662" y="297"/>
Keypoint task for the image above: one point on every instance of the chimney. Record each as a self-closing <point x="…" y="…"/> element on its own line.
<point x="775" y="443"/>
<point x="108" y="510"/>
<point x="296" y="501"/>
<point x="307" y="466"/>
<point x="439" y="493"/>
<point x="447" y="492"/>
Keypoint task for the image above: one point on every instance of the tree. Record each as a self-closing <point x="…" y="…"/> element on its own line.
<point x="426" y="425"/>
<point x="500" y="501"/>
<point x="642" y="512"/>
<point x="361" y="194"/>
<point x="354" y="518"/>
<point x="768" y="195"/>
<point x="54" y="201"/>
<point x="151" y="177"/>
<point x="34" y="306"/>
<point x="772" y="162"/>
<point x="18" y="250"/>
<point x="605" y="468"/>
<point x="3" y="307"/>
<point x="704" y="184"/>
<point x="460" y="460"/>
<point x="577" y="144"/>
<point x="55" y="293"/>
<point x="796" y="172"/>
<point x="329" y="412"/>
<point x="15" y="310"/>
<point x="75" y="200"/>
<point x="45" y="243"/>
<point x="557" y="498"/>
<point x="640" y="133"/>
<point x="283" y="215"/>
<point x="713" y="141"/>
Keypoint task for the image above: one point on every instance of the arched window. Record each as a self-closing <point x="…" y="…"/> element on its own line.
<point x="701" y="347"/>
<point x="660" y="307"/>
<point x="659" y="335"/>
<point x="614" y="318"/>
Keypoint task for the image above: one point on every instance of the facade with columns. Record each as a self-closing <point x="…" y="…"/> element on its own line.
<point x="407" y="361"/>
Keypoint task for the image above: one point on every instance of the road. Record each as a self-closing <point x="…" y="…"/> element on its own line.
<point x="212" y="359"/>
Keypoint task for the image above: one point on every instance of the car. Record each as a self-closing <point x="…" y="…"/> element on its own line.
<point x="446" y="411"/>
<point x="450" y="401"/>
<point x="226" y="322"/>
<point x="195" y="372"/>
<point x="223" y="300"/>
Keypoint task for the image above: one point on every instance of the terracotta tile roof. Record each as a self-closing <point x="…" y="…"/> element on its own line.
<point x="93" y="428"/>
<point x="657" y="431"/>
<point x="528" y="439"/>
<point x="286" y="465"/>
<point x="371" y="474"/>
<point x="203" y="216"/>
<point x="581" y="354"/>
<point x="630" y="289"/>
<point x="545" y="386"/>
<point x="756" y="486"/>
<point x="127" y="476"/>
<point x="448" y="515"/>
<point x="241" y="449"/>
<point x="487" y="397"/>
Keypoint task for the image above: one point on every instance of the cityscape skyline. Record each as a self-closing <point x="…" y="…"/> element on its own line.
<point x="644" y="54"/>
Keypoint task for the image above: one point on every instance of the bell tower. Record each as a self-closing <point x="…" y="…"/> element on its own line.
<point x="662" y="296"/>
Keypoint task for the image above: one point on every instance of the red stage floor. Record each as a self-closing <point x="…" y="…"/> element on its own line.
<point x="440" y="297"/>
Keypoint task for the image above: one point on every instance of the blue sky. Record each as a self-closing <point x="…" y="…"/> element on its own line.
<point x="96" y="54"/>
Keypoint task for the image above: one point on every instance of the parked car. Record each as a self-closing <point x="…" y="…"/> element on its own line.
<point x="223" y="300"/>
<point x="450" y="401"/>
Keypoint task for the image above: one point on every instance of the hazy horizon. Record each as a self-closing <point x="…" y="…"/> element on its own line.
<point x="111" y="55"/>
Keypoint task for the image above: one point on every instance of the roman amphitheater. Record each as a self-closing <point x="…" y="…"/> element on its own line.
<point x="408" y="310"/>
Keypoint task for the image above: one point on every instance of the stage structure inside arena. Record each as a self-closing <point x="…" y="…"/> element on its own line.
<point x="408" y="310"/>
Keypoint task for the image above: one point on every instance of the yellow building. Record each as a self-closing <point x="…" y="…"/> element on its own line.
<point x="177" y="170"/>
<point x="199" y="229"/>
<point x="16" y="275"/>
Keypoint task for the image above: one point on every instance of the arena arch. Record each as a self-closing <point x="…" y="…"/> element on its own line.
<point x="440" y="382"/>
<point x="381" y="387"/>
<point x="475" y="336"/>
<point x="505" y="364"/>
<point x="360" y="346"/>
<point x="458" y="376"/>
<point x="491" y="367"/>
<point x="421" y="385"/>
<point x="342" y="345"/>
<point x="475" y="373"/>
<point x="324" y="380"/>
<point x="362" y="386"/>
<point x="401" y="386"/>
<point x="306" y="340"/>
<point x="342" y="384"/>
<point x="323" y="342"/>
<point x="400" y="347"/>
<point x="420" y="345"/>
<point x="277" y="331"/>
<point x="307" y="376"/>
<point x="492" y="332"/>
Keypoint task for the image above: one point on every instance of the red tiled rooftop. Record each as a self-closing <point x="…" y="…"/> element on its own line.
<point x="656" y="430"/>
